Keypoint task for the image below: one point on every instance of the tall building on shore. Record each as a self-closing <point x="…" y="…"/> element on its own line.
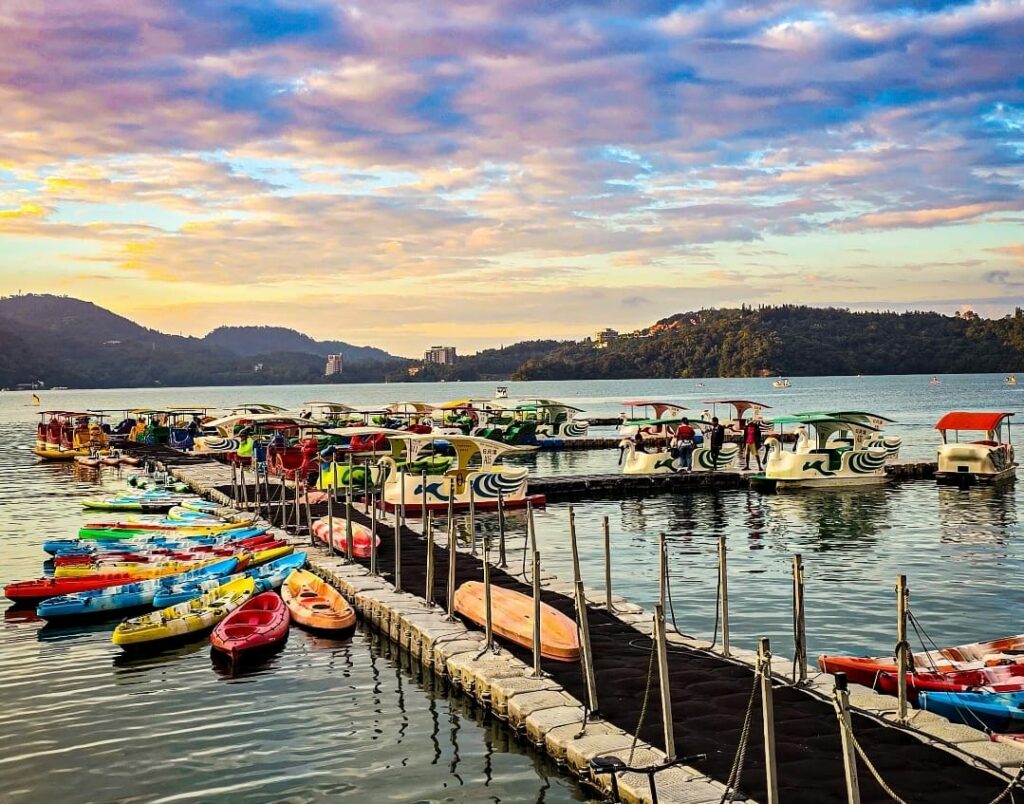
<point x="334" y="365"/>
<point x="442" y="355"/>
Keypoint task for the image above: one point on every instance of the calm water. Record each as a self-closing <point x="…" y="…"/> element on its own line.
<point x="76" y="716"/>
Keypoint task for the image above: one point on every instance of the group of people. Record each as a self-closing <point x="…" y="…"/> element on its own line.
<point x="686" y="438"/>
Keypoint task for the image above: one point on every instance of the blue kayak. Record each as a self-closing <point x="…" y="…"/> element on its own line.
<point x="129" y="595"/>
<point x="997" y="711"/>
<point x="267" y="576"/>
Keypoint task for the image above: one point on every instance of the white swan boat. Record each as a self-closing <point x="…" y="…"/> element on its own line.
<point x="984" y="461"/>
<point x="860" y="438"/>
<point x="473" y="467"/>
<point x="782" y="382"/>
<point x="818" y="460"/>
<point x="740" y="410"/>
<point x="554" y="419"/>
<point x="660" y="461"/>
<point x="630" y="421"/>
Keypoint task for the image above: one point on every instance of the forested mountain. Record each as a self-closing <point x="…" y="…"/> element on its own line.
<point x="794" y="341"/>
<point x="249" y="341"/>
<point x="62" y="341"/>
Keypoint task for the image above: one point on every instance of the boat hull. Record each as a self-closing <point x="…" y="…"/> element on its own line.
<point x="258" y="625"/>
<point x="316" y="605"/>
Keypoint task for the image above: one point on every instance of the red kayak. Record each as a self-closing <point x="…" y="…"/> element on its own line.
<point x="258" y="624"/>
<point x="1002" y="678"/>
<point x="34" y="591"/>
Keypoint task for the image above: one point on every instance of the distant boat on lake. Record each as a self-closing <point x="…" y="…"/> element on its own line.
<point x="935" y="381"/>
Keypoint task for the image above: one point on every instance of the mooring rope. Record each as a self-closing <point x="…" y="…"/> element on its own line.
<point x="732" y="784"/>
<point x="643" y="706"/>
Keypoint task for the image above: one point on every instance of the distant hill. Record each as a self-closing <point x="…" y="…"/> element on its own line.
<point x="794" y="341"/>
<point x="65" y="341"/>
<point x="249" y="341"/>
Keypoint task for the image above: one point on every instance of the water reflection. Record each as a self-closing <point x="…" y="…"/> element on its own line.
<point x="982" y="514"/>
<point x="834" y="520"/>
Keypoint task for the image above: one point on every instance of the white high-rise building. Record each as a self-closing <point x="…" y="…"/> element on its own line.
<point x="442" y="355"/>
<point x="334" y="365"/>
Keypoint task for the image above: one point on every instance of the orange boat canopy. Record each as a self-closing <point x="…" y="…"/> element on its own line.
<point x="971" y="420"/>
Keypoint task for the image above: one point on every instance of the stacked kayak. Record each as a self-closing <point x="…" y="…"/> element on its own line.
<point x="139" y="571"/>
<point x="317" y="605"/>
<point x="995" y="711"/>
<point x="266" y="577"/>
<point x="512" y="618"/>
<point x="867" y="670"/>
<point x="79" y="547"/>
<point x="128" y="596"/>
<point x="193" y="617"/>
<point x="1001" y="678"/>
<point x="43" y="588"/>
<point x="140" y="503"/>
<point x="362" y="536"/>
<point x="259" y="624"/>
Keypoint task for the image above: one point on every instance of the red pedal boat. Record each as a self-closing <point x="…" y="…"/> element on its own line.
<point x="1002" y="678"/>
<point x="259" y="624"/>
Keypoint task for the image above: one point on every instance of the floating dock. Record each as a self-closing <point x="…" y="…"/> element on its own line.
<point x="709" y="693"/>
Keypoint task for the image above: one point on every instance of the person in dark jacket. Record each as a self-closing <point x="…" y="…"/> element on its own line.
<point x="716" y="435"/>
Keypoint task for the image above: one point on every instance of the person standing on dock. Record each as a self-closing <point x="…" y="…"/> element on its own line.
<point x="717" y="438"/>
<point x="751" y="444"/>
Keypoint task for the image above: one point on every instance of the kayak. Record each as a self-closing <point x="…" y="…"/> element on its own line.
<point x="971" y="656"/>
<point x="121" y="534"/>
<point x="76" y="547"/>
<point x="512" y="618"/>
<point x="361" y="535"/>
<point x="1002" y="678"/>
<point x="158" y="552"/>
<point x="137" y="571"/>
<point x="43" y="588"/>
<point x="127" y="596"/>
<point x="154" y="506"/>
<point x="1016" y="740"/>
<point x="267" y="577"/>
<point x="315" y="604"/>
<point x="191" y="618"/>
<point x="996" y="711"/>
<point x="258" y="624"/>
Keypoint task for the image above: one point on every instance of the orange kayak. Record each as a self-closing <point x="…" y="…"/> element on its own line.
<point x="361" y="535"/>
<point x="316" y="604"/>
<point x="512" y="618"/>
<point x="957" y="658"/>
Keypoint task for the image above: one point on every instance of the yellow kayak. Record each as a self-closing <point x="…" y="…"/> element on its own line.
<point x="140" y="571"/>
<point x="271" y="554"/>
<point x="195" y="616"/>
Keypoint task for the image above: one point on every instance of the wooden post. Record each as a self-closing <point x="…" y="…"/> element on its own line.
<point x="572" y="543"/>
<point x="472" y="521"/>
<point x="348" y="525"/>
<point x="723" y="591"/>
<point x="902" y="646"/>
<point x="764" y="669"/>
<point x="367" y="482"/>
<point x="664" y="685"/>
<point x="309" y="513"/>
<point x="398" y="543"/>
<point x="841" y="701"/>
<point x="662" y="569"/>
<point x="234" y="483"/>
<point x="452" y="554"/>
<point x="799" y="626"/>
<point x="241" y="472"/>
<point x="428" y="530"/>
<point x="530" y="526"/>
<point x="373" y="532"/>
<point x="256" y="485"/>
<point x="330" y="525"/>
<point x="502" y="562"/>
<point x="583" y="625"/>
<point x="401" y="499"/>
<point x="423" y="504"/>
<point x="489" y="623"/>
<point x="607" y="566"/>
<point x="351" y="476"/>
<point x="537" y="672"/>
<point x="298" y="512"/>
<point x="333" y="489"/>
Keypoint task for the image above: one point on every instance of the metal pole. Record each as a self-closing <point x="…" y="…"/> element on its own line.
<point x="367" y="471"/>
<point x="256" y="485"/>
<point x="665" y="686"/>
<point x="607" y="566"/>
<point x="298" y="518"/>
<point x="333" y="490"/>
<point x="531" y="527"/>
<point x="799" y="627"/>
<point x="841" y="700"/>
<point x="451" y="567"/>
<point x="583" y="624"/>
<point x="764" y="669"/>
<point x="572" y="543"/>
<point x="243" y="495"/>
<point x="902" y="657"/>
<point x="502" y="562"/>
<point x="309" y="513"/>
<point x="400" y="514"/>
<point x="351" y="476"/>
<point x="489" y="630"/>
<point x="723" y="590"/>
<point x="428" y="531"/>
<point x="348" y="525"/>
<point x="472" y="520"/>
<point x="234" y="483"/>
<point x="537" y="672"/>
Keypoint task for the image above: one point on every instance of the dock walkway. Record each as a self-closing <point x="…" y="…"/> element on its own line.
<point x="934" y="760"/>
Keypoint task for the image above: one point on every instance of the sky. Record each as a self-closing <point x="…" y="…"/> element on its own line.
<point x="403" y="174"/>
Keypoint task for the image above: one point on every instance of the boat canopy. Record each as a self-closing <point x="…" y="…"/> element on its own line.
<point x="465" y="447"/>
<point x="854" y="415"/>
<point x="668" y="421"/>
<point x="408" y="407"/>
<point x="741" y="405"/>
<point x="333" y="407"/>
<point x="537" y="404"/>
<point x="360" y="431"/>
<point x="826" y="426"/>
<point x="455" y="404"/>
<point x="264" y="418"/>
<point x="972" y="420"/>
